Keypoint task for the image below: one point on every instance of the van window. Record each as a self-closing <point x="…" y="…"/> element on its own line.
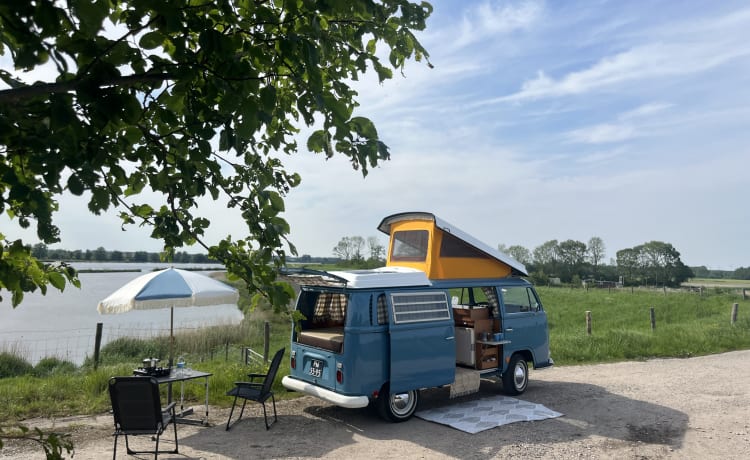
<point x="330" y="309"/>
<point x="413" y="307"/>
<point x="472" y="297"/>
<point x="519" y="299"/>
<point x="410" y="245"/>
<point x="456" y="247"/>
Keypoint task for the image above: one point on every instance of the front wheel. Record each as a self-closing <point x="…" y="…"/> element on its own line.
<point x="516" y="378"/>
<point x="397" y="407"/>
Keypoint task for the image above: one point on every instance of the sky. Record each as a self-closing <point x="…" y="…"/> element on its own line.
<point x="626" y="121"/>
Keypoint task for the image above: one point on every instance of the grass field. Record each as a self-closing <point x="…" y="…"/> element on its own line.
<point x="687" y="324"/>
<point x="721" y="283"/>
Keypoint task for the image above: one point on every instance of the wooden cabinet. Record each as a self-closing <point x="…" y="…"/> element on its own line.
<point x="487" y="356"/>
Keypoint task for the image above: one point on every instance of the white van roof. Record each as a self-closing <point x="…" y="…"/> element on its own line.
<point x="383" y="277"/>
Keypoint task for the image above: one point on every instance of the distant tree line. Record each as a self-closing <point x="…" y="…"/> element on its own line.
<point x="360" y="252"/>
<point x="653" y="263"/>
<point x="308" y="259"/>
<point x="42" y="252"/>
<point x="742" y="273"/>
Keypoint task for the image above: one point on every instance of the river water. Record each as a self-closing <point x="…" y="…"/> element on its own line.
<point x="64" y="324"/>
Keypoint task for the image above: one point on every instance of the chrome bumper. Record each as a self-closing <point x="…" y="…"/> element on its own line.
<point x="350" y="402"/>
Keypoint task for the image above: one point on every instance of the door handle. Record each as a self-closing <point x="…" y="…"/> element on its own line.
<point x="510" y="329"/>
<point x="450" y="338"/>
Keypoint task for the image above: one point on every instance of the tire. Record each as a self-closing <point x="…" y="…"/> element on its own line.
<point x="397" y="407"/>
<point x="516" y="378"/>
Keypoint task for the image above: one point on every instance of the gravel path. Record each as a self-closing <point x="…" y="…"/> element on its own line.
<point x="664" y="408"/>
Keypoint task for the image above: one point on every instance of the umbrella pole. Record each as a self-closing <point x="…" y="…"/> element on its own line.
<point x="171" y="350"/>
<point x="171" y="335"/>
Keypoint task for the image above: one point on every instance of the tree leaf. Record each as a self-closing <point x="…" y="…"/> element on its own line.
<point x="75" y="185"/>
<point x="151" y="40"/>
<point x="57" y="280"/>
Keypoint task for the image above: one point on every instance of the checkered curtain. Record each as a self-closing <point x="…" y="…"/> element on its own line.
<point x="491" y="295"/>
<point x="331" y="305"/>
<point x="382" y="313"/>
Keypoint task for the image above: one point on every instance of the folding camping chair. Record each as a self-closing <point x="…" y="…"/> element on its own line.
<point x="257" y="391"/>
<point x="137" y="410"/>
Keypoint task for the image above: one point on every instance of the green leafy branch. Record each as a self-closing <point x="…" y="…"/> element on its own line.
<point x="54" y="445"/>
<point x="183" y="90"/>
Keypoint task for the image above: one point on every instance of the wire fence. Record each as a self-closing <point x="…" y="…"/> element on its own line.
<point x="73" y="345"/>
<point x="76" y="345"/>
<point x="66" y="344"/>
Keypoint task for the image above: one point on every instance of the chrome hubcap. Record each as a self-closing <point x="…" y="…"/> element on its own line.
<point x="401" y="402"/>
<point x="519" y="376"/>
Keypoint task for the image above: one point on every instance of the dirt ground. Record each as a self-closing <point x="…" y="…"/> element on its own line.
<point x="672" y="408"/>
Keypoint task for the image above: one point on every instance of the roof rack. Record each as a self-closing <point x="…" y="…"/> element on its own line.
<point x="310" y="277"/>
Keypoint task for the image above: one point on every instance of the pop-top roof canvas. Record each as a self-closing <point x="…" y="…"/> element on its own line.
<point x="423" y="241"/>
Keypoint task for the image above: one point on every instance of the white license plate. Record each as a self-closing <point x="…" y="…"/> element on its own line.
<point x="316" y="368"/>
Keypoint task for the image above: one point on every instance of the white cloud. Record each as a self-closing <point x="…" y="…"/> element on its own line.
<point x="490" y="18"/>
<point x="638" y="63"/>
<point x="629" y="125"/>
<point x="602" y="134"/>
<point x="645" y="110"/>
<point x="602" y="156"/>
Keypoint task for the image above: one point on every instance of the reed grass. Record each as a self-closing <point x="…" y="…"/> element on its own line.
<point x="57" y="388"/>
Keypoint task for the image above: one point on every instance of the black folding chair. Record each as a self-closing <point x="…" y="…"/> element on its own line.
<point x="136" y="406"/>
<point x="257" y="391"/>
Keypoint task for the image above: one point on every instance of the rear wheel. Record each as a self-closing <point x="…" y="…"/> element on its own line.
<point x="397" y="407"/>
<point x="516" y="378"/>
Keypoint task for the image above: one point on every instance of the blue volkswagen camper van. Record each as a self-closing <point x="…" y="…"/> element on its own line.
<point x="445" y="311"/>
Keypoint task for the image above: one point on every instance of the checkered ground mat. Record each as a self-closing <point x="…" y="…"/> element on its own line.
<point x="482" y="414"/>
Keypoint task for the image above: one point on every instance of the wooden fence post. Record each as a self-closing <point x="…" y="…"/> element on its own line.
<point x="588" y="322"/>
<point x="266" y="340"/>
<point x="744" y="295"/>
<point x="97" y="344"/>
<point x="734" y="313"/>
<point x="653" y="319"/>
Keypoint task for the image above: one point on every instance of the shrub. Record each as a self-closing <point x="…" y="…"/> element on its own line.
<point x="12" y="365"/>
<point x="132" y="349"/>
<point x="51" y="365"/>
<point x="539" y="278"/>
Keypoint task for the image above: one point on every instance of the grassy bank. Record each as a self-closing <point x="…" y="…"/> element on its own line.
<point x="687" y="324"/>
<point x="83" y="390"/>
